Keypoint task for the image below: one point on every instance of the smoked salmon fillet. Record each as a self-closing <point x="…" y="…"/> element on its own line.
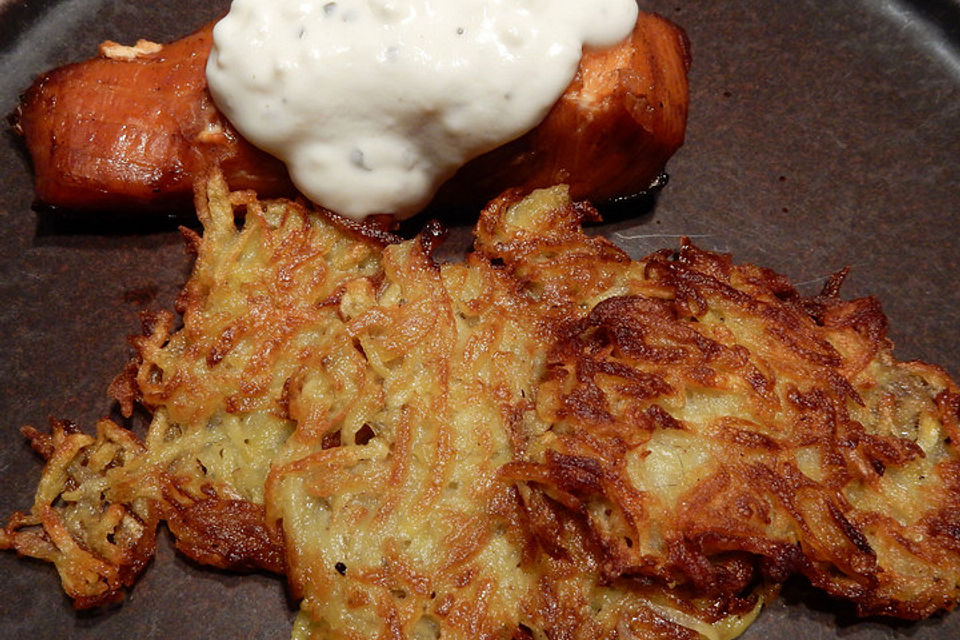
<point x="131" y="128"/>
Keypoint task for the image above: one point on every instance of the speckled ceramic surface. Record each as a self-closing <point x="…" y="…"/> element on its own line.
<point x="822" y="134"/>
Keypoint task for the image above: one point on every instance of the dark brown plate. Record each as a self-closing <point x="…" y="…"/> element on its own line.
<point x="822" y="135"/>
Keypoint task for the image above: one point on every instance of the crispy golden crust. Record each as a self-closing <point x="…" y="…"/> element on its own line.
<point x="680" y="429"/>
<point x="411" y="530"/>
<point x="218" y="388"/>
<point x="84" y="518"/>
<point x="221" y="532"/>
<point x="713" y="425"/>
<point x="548" y="438"/>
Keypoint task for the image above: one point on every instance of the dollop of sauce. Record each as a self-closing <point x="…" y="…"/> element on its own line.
<point x="373" y="104"/>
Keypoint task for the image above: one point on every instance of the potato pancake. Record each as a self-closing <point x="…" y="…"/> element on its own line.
<point x="256" y="302"/>
<point x="549" y="439"/>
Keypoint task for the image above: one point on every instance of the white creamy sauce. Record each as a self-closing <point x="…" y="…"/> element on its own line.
<point x="372" y="104"/>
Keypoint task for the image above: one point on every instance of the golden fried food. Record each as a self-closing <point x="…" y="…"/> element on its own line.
<point x="407" y="527"/>
<point x="86" y="518"/>
<point x="132" y="128"/>
<point x="549" y="437"/>
<point x="216" y="388"/>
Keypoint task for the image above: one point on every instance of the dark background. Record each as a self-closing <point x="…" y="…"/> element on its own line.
<point x="822" y="134"/>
